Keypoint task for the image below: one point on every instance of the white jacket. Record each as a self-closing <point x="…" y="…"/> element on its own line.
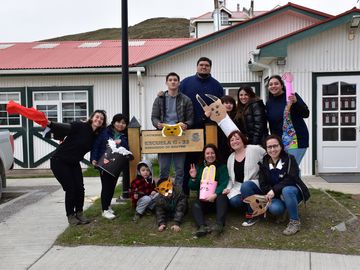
<point x="253" y="154"/>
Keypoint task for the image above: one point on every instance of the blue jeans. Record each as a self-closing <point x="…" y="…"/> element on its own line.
<point x="247" y="189"/>
<point x="165" y="164"/>
<point x="298" y="154"/>
<point x="291" y="198"/>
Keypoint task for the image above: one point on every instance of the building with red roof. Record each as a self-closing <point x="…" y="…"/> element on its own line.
<point x="67" y="80"/>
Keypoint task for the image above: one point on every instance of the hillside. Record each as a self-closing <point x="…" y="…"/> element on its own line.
<point x="151" y="28"/>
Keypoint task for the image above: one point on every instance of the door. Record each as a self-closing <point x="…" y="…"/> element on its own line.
<point x="338" y="125"/>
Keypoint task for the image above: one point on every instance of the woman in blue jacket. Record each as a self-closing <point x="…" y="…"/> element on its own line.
<point x="117" y="132"/>
<point x="275" y="108"/>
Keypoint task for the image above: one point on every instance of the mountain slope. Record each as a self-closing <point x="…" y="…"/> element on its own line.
<point x="151" y="28"/>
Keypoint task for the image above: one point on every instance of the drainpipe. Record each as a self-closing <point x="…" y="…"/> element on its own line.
<point x="216" y="16"/>
<point x="253" y="63"/>
<point x="142" y="97"/>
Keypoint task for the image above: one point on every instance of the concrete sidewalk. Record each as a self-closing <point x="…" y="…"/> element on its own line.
<point x="27" y="237"/>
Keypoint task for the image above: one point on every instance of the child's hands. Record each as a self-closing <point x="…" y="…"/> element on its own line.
<point x="211" y="198"/>
<point x="226" y="191"/>
<point x="162" y="227"/>
<point x="192" y="170"/>
<point x="175" y="228"/>
<point x="136" y="196"/>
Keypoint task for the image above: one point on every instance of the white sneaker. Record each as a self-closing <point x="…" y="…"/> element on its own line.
<point x="107" y="214"/>
<point x="111" y="211"/>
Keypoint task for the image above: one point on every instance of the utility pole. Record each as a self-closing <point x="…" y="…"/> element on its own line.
<point x="125" y="83"/>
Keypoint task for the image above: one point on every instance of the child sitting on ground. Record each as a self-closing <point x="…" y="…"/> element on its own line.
<point x="142" y="190"/>
<point x="170" y="204"/>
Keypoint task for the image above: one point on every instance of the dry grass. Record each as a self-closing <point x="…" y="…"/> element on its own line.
<point x="319" y="216"/>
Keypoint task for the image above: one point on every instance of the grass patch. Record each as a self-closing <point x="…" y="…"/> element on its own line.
<point x="91" y="172"/>
<point x="316" y="235"/>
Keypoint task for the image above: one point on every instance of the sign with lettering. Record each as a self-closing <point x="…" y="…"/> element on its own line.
<point x="191" y="140"/>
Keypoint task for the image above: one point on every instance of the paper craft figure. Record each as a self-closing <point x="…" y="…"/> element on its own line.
<point x="208" y="184"/>
<point x="114" y="159"/>
<point x="217" y="112"/>
<point x="288" y="137"/>
<point x="30" y="113"/>
<point x="165" y="188"/>
<point x="172" y="130"/>
<point x="258" y="204"/>
<point x="288" y="79"/>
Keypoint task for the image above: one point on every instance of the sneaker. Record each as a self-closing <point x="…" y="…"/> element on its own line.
<point x="292" y="228"/>
<point x="217" y="229"/>
<point x="136" y="217"/>
<point x="110" y="210"/>
<point x="250" y="221"/>
<point x="202" y="231"/>
<point x="82" y="219"/>
<point x="107" y="214"/>
<point x="73" y="220"/>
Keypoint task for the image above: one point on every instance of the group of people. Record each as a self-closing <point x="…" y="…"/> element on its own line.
<point x="251" y="160"/>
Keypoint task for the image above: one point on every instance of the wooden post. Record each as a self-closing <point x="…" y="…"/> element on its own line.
<point x="211" y="134"/>
<point x="134" y="146"/>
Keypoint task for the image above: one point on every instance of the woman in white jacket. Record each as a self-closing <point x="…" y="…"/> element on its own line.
<point x="243" y="168"/>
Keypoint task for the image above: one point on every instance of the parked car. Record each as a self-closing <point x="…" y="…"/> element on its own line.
<point x="6" y="156"/>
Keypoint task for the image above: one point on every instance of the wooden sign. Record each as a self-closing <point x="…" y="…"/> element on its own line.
<point x="152" y="142"/>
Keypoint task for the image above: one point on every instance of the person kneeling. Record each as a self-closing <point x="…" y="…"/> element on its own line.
<point x="279" y="179"/>
<point x="170" y="204"/>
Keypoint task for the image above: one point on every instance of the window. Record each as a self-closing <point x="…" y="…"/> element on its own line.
<point x="7" y="120"/>
<point x="62" y="106"/>
<point x="224" y="18"/>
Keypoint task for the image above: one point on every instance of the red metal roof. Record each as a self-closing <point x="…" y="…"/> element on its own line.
<point x="68" y="54"/>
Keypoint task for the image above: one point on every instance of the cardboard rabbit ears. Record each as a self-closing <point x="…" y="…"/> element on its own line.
<point x="217" y="112"/>
<point x="258" y="204"/>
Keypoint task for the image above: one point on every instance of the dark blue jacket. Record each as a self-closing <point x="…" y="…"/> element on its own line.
<point x="193" y="85"/>
<point x="275" y="107"/>
<point x="99" y="146"/>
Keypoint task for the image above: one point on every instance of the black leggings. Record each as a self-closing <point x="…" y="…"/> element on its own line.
<point x="71" y="179"/>
<point x="108" y="184"/>
<point x="220" y="206"/>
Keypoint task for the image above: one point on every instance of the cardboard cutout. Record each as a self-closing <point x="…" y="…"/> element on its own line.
<point x="258" y="204"/>
<point x="217" y="112"/>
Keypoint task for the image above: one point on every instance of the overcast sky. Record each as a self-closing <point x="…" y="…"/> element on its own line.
<point x="31" y="20"/>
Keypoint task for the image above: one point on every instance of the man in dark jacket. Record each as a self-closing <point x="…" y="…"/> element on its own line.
<point x="201" y="83"/>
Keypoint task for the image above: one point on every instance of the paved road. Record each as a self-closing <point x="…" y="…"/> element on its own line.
<point x="27" y="236"/>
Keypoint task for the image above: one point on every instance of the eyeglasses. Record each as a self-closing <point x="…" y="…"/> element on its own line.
<point x="272" y="146"/>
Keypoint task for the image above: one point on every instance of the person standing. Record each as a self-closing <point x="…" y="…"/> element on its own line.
<point x="275" y="108"/>
<point x="201" y="83"/>
<point x="251" y="115"/>
<point x="116" y="131"/>
<point x="172" y="107"/>
<point x="65" y="162"/>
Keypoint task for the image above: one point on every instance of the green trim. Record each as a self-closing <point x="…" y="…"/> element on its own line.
<point x="315" y="76"/>
<point x="279" y="48"/>
<point x="227" y="31"/>
<point x="34" y="131"/>
<point x="20" y="131"/>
